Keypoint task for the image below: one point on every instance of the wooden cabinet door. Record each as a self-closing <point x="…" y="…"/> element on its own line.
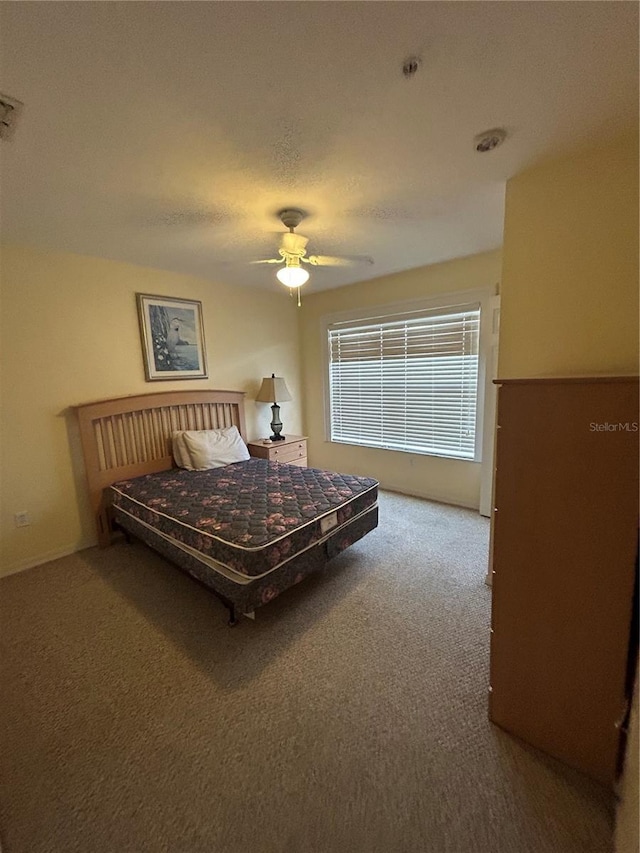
<point x="565" y="538"/>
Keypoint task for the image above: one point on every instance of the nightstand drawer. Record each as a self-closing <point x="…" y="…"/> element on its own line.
<point x="289" y="452"/>
<point x="292" y="450"/>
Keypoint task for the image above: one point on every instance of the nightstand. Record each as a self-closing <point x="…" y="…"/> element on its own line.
<point x="292" y="450"/>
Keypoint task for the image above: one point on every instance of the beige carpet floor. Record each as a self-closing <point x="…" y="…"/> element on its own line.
<point x="351" y="716"/>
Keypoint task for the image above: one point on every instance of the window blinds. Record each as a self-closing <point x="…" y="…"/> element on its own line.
<point x="407" y="383"/>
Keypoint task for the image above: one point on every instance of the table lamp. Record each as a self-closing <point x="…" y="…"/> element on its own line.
<point x="274" y="388"/>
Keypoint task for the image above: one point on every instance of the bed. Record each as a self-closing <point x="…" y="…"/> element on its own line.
<point x="248" y="530"/>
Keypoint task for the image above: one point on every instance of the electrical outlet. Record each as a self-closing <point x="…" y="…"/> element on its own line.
<point x="22" y="519"/>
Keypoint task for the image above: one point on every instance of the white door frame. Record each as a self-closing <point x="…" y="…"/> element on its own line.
<point x="488" y="436"/>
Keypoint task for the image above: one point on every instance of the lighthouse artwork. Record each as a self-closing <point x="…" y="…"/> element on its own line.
<point x="172" y="337"/>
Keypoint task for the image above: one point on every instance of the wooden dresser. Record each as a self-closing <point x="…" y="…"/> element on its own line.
<point x="292" y="450"/>
<point x="565" y="546"/>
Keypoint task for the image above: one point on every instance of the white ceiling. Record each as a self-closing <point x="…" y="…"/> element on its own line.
<point x="169" y="134"/>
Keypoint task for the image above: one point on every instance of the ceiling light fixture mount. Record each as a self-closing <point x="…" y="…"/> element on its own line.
<point x="410" y="67"/>
<point x="10" y="109"/>
<point x="291" y="217"/>
<point x="489" y="140"/>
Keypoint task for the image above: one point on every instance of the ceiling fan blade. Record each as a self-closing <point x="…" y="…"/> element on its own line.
<point x="334" y="261"/>
<point x="294" y="243"/>
<point x="269" y="261"/>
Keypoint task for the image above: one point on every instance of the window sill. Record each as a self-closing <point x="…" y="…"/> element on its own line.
<point x="412" y="452"/>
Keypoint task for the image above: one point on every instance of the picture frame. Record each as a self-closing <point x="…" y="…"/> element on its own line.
<point x="172" y="337"/>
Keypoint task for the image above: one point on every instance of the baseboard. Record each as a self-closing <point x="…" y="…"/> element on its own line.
<point x="32" y="562"/>
<point x="23" y="565"/>
<point x="439" y="499"/>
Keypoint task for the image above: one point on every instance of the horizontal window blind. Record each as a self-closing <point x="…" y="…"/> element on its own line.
<point x="407" y="383"/>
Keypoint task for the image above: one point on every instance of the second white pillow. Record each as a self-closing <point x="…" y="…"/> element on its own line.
<point x="211" y="448"/>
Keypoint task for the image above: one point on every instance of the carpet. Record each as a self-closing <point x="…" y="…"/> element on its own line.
<point x="350" y="716"/>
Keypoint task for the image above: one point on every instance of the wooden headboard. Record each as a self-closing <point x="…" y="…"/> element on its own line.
<point x="131" y="436"/>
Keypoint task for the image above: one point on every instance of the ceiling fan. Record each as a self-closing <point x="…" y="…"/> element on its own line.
<point x="293" y="253"/>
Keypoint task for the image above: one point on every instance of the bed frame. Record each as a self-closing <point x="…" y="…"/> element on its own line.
<point x="131" y="436"/>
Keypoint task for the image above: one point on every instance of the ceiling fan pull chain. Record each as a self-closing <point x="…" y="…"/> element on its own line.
<point x="298" y="297"/>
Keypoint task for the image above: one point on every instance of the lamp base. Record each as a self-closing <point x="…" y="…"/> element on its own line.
<point x="276" y="423"/>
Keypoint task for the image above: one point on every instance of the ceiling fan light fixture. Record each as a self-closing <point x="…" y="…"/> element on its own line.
<point x="292" y="275"/>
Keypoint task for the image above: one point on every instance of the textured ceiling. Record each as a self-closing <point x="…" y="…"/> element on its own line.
<point x="170" y="134"/>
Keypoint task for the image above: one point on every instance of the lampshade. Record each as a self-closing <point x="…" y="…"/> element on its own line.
<point x="273" y="390"/>
<point x="292" y="276"/>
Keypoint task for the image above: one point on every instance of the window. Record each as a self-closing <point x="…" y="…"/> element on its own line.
<point x="407" y="381"/>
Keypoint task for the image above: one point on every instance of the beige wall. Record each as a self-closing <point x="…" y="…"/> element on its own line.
<point x="69" y="334"/>
<point x="449" y="480"/>
<point x="570" y="265"/>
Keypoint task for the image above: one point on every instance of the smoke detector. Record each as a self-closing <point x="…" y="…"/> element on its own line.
<point x="489" y="140"/>
<point x="10" y="109"/>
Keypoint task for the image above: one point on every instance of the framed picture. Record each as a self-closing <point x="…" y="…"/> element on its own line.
<point x="172" y="337"/>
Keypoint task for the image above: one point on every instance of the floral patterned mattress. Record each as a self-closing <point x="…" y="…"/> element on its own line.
<point x="250" y="517"/>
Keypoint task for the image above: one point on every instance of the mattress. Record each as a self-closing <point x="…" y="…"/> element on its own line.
<point x="246" y="519"/>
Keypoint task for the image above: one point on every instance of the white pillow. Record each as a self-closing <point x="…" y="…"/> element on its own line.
<point x="199" y="450"/>
<point x="180" y="454"/>
<point x="181" y="451"/>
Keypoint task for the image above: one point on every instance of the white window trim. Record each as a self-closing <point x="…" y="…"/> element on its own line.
<point x="456" y="299"/>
